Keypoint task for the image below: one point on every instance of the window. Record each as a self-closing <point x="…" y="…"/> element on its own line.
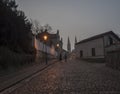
<point x="110" y="41"/>
<point x="93" y="51"/>
<point x="81" y="53"/>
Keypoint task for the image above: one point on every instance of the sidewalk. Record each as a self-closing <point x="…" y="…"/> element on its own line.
<point x="6" y="81"/>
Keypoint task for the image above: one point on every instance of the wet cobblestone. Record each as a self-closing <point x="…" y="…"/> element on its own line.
<point x="74" y="77"/>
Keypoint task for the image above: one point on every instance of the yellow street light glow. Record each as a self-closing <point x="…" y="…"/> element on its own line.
<point x="45" y="37"/>
<point x="57" y="45"/>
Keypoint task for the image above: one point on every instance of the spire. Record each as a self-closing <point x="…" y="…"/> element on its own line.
<point x="57" y="32"/>
<point x="61" y="39"/>
<point x="75" y="40"/>
<point x="69" y="45"/>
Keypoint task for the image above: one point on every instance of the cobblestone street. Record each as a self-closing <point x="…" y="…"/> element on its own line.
<point x="73" y="77"/>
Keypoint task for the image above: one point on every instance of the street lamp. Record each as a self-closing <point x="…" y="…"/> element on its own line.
<point x="57" y="45"/>
<point x="58" y="50"/>
<point x="45" y="37"/>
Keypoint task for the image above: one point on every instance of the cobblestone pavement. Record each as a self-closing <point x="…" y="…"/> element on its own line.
<point x="73" y="77"/>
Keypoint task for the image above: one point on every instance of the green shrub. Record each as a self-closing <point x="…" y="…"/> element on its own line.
<point x="9" y="58"/>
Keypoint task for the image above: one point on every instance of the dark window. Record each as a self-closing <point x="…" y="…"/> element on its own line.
<point x="93" y="51"/>
<point x="110" y="40"/>
<point x="81" y="53"/>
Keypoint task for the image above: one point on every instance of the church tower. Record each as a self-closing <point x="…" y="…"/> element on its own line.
<point x="75" y="41"/>
<point x="61" y="42"/>
<point x="69" y="45"/>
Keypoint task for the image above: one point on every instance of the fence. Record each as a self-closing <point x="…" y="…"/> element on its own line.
<point x="113" y="59"/>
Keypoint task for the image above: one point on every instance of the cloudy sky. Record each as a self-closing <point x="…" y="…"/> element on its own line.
<point x="81" y="18"/>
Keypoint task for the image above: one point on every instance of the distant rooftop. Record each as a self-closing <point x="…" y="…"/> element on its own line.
<point x="98" y="36"/>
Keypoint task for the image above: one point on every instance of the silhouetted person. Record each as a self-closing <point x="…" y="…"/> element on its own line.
<point x="65" y="57"/>
<point x="60" y="58"/>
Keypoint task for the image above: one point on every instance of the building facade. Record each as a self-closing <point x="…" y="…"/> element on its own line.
<point x="53" y="39"/>
<point x="52" y="46"/>
<point x="96" y="46"/>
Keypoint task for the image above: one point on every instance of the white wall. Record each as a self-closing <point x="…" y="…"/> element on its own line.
<point x="87" y="46"/>
<point x="42" y="47"/>
<point x="101" y="45"/>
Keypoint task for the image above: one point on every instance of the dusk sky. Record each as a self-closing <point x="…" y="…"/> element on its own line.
<point x="80" y="18"/>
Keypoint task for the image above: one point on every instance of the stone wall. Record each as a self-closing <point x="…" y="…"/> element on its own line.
<point x="42" y="48"/>
<point x="113" y="59"/>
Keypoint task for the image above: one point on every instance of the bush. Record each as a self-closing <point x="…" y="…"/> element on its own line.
<point x="9" y="58"/>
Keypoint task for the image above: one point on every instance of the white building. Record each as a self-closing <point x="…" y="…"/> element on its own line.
<point x="42" y="48"/>
<point x="96" y="46"/>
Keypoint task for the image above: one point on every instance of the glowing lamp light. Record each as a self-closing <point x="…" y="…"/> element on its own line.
<point x="45" y="37"/>
<point x="57" y="45"/>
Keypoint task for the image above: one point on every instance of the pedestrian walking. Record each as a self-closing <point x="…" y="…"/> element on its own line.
<point x="60" y="58"/>
<point x="65" y="57"/>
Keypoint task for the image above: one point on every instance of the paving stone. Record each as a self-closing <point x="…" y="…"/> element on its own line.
<point x="74" y="77"/>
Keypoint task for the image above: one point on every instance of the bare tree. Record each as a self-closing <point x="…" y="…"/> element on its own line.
<point x="36" y="27"/>
<point x="47" y="27"/>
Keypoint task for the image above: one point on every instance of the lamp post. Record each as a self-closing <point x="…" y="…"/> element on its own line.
<point x="57" y="45"/>
<point x="45" y="37"/>
<point x="58" y="50"/>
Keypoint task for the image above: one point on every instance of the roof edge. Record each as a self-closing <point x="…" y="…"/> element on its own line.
<point x="97" y="36"/>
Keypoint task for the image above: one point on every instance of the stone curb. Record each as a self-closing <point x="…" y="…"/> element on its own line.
<point x="14" y="85"/>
